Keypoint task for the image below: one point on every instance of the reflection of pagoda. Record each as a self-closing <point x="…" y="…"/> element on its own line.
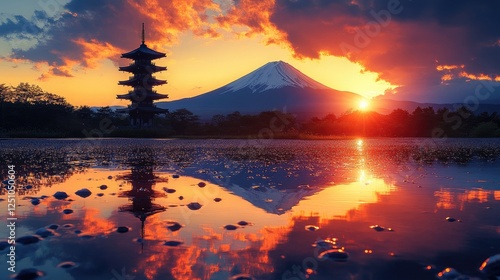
<point x="142" y="179"/>
<point x="142" y="110"/>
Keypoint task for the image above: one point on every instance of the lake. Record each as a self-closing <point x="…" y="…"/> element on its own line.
<point x="267" y="209"/>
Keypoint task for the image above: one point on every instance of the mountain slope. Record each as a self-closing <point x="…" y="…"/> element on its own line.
<point x="274" y="86"/>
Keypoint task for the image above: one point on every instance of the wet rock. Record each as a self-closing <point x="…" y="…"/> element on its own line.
<point x="67" y="211"/>
<point x="110" y="177"/>
<point x="181" y="197"/>
<point x="67" y="226"/>
<point x="173" y="243"/>
<point x="103" y="187"/>
<point x="217" y="199"/>
<point x="491" y="267"/>
<point x="60" y="195"/>
<point x="201" y="184"/>
<point x="53" y="226"/>
<point x="377" y="228"/>
<point x="167" y="190"/>
<point x="44" y="197"/>
<point x="100" y="194"/>
<point x="450" y="219"/>
<point x="35" y="201"/>
<point x="243" y="223"/>
<point x="44" y="233"/>
<point x="29" y="274"/>
<point x="83" y="193"/>
<point x="230" y="227"/>
<point x="311" y="228"/>
<point x="28" y="239"/>
<point x="336" y="255"/>
<point x="122" y="229"/>
<point x="175" y="176"/>
<point x="174" y="226"/>
<point x="77" y="231"/>
<point x="67" y="265"/>
<point x="194" y="206"/>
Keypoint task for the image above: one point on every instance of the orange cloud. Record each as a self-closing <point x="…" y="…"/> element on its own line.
<point x="94" y="52"/>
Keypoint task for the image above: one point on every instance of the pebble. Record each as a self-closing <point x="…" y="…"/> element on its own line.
<point x="43" y="232"/>
<point x="60" y="195"/>
<point x="174" y="226"/>
<point x="230" y="227"/>
<point x="337" y="255"/>
<point x="311" y="228"/>
<point x="29" y="274"/>
<point x="122" y="229"/>
<point x="194" y="206"/>
<point x="67" y="211"/>
<point x="28" y="239"/>
<point x="377" y="228"/>
<point x="173" y="243"/>
<point x="103" y="187"/>
<point x="83" y="193"/>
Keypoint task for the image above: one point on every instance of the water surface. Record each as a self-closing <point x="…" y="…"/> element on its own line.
<point x="263" y="206"/>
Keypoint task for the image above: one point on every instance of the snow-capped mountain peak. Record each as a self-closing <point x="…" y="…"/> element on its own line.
<point x="276" y="74"/>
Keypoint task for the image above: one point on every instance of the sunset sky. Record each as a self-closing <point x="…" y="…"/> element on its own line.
<point x="427" y="50"/>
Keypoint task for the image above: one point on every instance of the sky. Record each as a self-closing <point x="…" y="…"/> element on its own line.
<point x="435" y="51"/>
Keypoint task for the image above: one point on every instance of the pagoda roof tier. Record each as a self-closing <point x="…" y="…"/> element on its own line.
<point x="139" y="81"/>
<point x="133" y="95"/>
<point x="135" y="67"/>
<point x="143" y="52"/>
<point x="143" y="109"/>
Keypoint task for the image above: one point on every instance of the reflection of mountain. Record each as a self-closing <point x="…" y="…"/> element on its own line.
<point x="275" y="190"/>
<point x="272" y="200"/>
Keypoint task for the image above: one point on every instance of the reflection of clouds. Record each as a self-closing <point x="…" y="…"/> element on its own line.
<point x="449" y="198"/>
<point x="212" y="254"/>
<point x="93" y="224"/>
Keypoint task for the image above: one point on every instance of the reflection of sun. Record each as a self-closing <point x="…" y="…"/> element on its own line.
<point x="363" y="105"/>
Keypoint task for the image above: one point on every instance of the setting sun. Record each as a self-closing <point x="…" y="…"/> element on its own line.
<point x="363" y="105"/>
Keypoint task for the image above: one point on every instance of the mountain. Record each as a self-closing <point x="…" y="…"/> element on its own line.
<point x="274" y="86"/>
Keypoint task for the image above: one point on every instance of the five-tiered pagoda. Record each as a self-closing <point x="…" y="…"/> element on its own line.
<point x="142" y="110"/>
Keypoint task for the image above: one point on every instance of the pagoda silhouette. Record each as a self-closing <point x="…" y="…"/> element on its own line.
<point x="142" y="110"/>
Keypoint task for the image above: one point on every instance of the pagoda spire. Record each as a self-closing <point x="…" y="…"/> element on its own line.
<point x="143" y="36"/>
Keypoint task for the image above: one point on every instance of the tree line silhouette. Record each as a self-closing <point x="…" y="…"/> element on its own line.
<point x="28" y="111"/>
